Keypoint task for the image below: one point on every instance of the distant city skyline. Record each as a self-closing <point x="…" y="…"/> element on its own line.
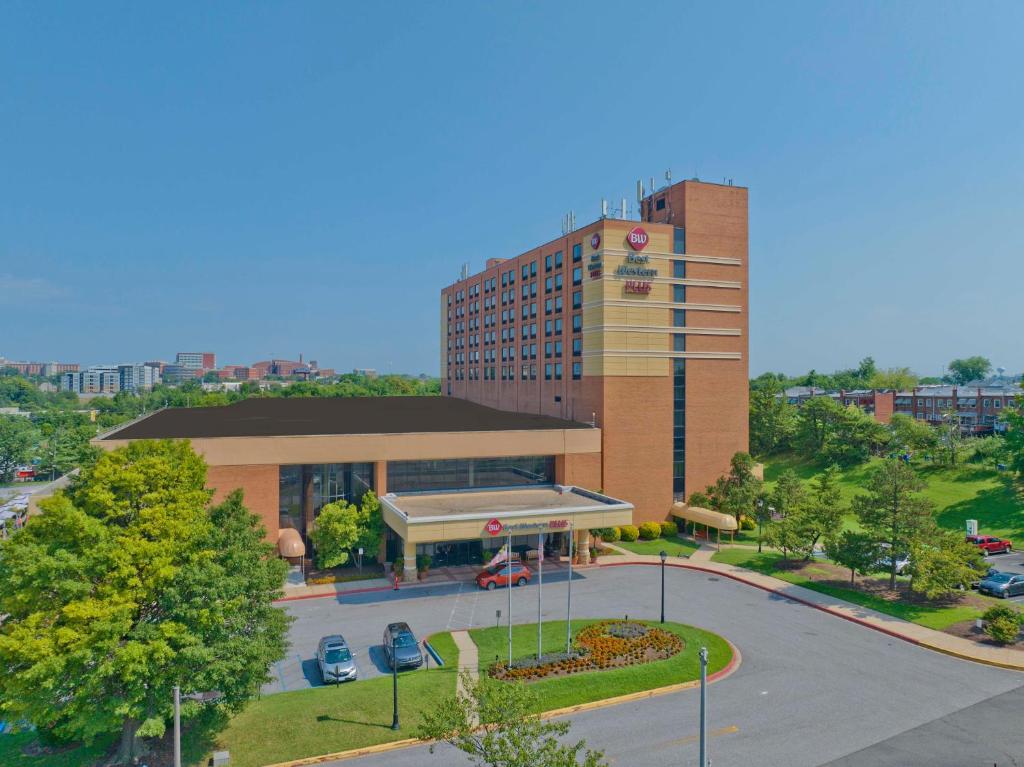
<point x="276" y="179"/>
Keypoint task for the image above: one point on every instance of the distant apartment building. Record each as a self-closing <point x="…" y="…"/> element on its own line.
<point x="39" y="368"/>
<point x="874" y="402"/>
<point x="110" y="379"/>
<point x="367" y="372"/>
<point x="175" y="374"/>
<point x="289" y="369"/>
<point x="979" y="408"/>
<point x="196" y="360"/>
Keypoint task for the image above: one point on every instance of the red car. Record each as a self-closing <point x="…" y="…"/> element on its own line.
<point x="492" y="577"/>
<point x="990" y="545"/>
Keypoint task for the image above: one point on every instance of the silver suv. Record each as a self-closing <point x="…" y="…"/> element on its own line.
<point x="335" y="660"/>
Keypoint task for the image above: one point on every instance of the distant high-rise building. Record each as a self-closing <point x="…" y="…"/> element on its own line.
<point x="197" y="360"/>
<point x="137" y="377"/>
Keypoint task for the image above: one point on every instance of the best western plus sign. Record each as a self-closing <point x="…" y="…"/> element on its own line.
<point x="494" y="527"/>
<point x="637" y="238"/>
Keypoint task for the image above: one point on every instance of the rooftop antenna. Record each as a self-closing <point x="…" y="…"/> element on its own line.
<point x="624" y="209"/>
<point x="639" y="191"/>
<point x="604" y="208"/>
<point x="668" y="176"/>
<point x="572" y="221"/>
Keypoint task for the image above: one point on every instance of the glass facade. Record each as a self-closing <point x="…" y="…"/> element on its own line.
<point x="679" y="374"/>
<point x="316" y="485"/>
<point x="466" y="473"/>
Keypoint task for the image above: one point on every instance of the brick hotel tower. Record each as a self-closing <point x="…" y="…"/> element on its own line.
<point x="638" y="326"/>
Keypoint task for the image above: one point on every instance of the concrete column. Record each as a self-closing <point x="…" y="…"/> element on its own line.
<point x="380" y="487"/>
<point x="583" y="545"/>
<point x="409" y="553"/>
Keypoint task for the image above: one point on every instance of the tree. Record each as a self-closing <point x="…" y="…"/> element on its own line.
<point x="962" y="371"/>
<point x="944" y="564"/>
<point x="950" y="436"/>
<point x="1014" y="418"/>
<point x="852" y="436"/>
<point x="897" y="379"/>
<point x="788" y="500"/>
<point x="821" y="514"/>
<point x="891" y="510"/>
<point x="371" y="524"/>
<point x="335" y="533"/>
<point x="64" y="442"/>
<point x="1003" y="623"/>
<point x="737" y="492"/>
<point x="816" y="421"/>
<point x="17" y="438"/>
<point x="127" y="585"/>
<point x="772" y="419"/>
<point x="911" y="434"/>
<point x="857" y="551"/>
<point x="512" y="735"/>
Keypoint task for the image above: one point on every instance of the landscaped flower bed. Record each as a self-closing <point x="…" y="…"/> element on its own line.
<point x="603" y="645"/>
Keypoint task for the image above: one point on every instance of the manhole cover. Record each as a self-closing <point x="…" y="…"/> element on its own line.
<point x="714" y="579"/>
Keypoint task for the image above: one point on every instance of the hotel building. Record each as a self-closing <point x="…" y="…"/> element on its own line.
<point x="639" y="327"/>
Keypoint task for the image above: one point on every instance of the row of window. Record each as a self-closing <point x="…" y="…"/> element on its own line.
<point x="528" y="351"/>
<point x="553" y="371"/>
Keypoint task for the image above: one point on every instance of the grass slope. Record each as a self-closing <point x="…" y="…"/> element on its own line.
<point x="674" y="547"/>
<point x="597" y="685"/>
<point x="935" y="617"/>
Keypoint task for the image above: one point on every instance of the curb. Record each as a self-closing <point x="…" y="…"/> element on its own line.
<point x="396" y="745"/>
<point x="853" y="619"/>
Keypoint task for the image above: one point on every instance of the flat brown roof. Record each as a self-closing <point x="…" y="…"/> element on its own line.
<point x="306" y="416"/>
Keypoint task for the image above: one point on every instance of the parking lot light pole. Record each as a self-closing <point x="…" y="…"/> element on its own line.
<point x="664" y="556"/>
<point x="177" y="726"/>
<point x="703" y="654"/>
<point x="394" y="684"/>
<point x="568" y="608"/>
<point x="508" y="567"/>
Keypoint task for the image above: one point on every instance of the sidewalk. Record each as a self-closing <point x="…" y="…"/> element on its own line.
<point x="939" y="641"/>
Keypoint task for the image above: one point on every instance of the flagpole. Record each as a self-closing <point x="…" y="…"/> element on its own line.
<point x="540" y="588"/>
<point x="568" y="608"/>
<point x="508" y="564"/>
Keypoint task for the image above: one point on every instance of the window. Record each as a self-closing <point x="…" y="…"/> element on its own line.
<point x="533" y="268"/>
<point x="679" y="318"/>
<point x="533" y="372"/>
<point x="577" y="323"/>
<point x="577" y="347"/>
<point x="558" y="303"/>
<point x="526" y="290"/>
<point x="679" y="240"/>
<point x="998" y="403"/>
<point x="548" y="284"/>
<point x="548" y="306"/>
<point x="533" y="289"/>
<point x="526" y="352"/>
<point x="986" y="403"/>
<point x="558" y="259"/>
<point x="558" y="371"/>
<point x="547" y="263"/>
<point x="679" y="269"/>
<point x="577" y="371"/>
<point x="526" y="271"/>
<point x="526" y="311"/>
<point x="547" y="372"/>
<point x="577" y="299"/>
<point x="679" y="294"/>
<point x="678" y="342"/>
<point x="526" y="372"/>
<point x="558" y="282"/>
<point x="547" y="327"/>
<point x="547" y="349"/>
<point x="533" y="351"/>
<point x="533" y="330"/>
<point x="533" y="309"/>
<point x="558" y="326"/>
<point x="659" y="204"/>
<point x="504" y="279"/>
<point x="577" y="275"/>
<point x="558" y="348"/>
<point x="577" y="252"/>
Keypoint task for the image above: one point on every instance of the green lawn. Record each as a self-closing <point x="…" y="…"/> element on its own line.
<point x="292" y="725"/>
<point x="968" y="491"/>
<point x="597" y="685"/>
<point x="933" y="617"/>
<point x="675" y="547"/>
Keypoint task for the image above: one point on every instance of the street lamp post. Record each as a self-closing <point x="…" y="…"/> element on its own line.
<point x="568" y="606"/>
<point x="703" y="654"/>
<point x="664" y="556"/>
<point x="394" y="685"/>
<point x="202" y="697"/>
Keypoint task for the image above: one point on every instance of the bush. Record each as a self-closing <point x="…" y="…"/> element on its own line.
<point x="747" y="523"/>
<point x="1002" y="624"/>
<point x="629" y="533"/>
<point x="650" y="530"/>
<point x="423" y="563"/>
<point x="669" y="529"/>
<point x="607" y="534"/>
<point x="398" y="565"/>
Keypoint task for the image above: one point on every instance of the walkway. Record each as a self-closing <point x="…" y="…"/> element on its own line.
<point x="939" y="641"/>
<point x="469" y="661"/>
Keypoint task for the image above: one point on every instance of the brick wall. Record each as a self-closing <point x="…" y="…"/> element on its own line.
<point x="261" y="486"/>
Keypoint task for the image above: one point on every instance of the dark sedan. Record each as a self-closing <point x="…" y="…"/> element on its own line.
<point x="1002" y="585"/>
<point x="400" y="647"/>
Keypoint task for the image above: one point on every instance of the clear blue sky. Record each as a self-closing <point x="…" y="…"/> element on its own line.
<point x="267" y="179"/>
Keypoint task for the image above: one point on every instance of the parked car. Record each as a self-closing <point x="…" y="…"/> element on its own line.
<point x="990" y="545"/>
<point x="400" y="646"/>
<point x="885" y="563"/>
<point x="1002" y="585"/>
<point x="335" y="660"/>
<point x="991" y="571"/>
<point x="500" y="575"/>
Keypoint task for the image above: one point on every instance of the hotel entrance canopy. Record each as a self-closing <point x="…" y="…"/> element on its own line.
<point x="464" y="514"/>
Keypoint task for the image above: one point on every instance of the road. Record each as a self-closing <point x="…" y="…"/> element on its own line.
<point x="812" y="688"/>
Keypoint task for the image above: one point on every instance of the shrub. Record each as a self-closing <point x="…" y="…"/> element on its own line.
<point x="398" y="565"/>
<point x="423" y="563"/>
<point x="1002" y="624"/>
<point x="629" y="533"/>
<point x="650" y="530"/>
<point x="610" y="534"/>
<point x="747" y="523"/>
<point x="669" y="529"/>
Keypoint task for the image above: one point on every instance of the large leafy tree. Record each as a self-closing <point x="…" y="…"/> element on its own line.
<point x="897" y="379"/>
<point x="17" y="438"/>
<point x="857" y="551"/>
<point x="893" y="511"/>
<point x="772" y="418"/>
<point x="968" y="369"/>
<point x="737" y="492"/>
<point x="911" y="434"/>
<point x="1014" y="418"/>
<point x="128" y="585"/>
<point x="821" y="515"/>
<point x="787" y="501"/>
<point x="513" y="734"/>
<point x="335" y="533"/>
<point x="816" y="422"/>
<point x="944" y="564"/>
